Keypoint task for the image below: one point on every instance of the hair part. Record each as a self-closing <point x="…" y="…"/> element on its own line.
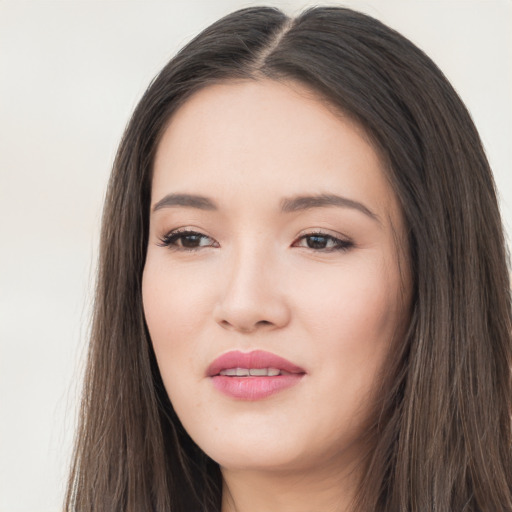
<point x="441" y="433"/>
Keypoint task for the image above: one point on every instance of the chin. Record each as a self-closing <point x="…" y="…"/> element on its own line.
<point x="257" y="459"/>
<point x="260" y="449"/>
<point x="239" y="446"/>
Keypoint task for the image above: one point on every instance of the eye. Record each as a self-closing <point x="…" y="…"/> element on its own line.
<point x="323" y="242"/>
<point x="186" y="240"/>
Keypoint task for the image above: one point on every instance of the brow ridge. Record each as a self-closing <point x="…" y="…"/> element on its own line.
<point x="185" y="200"/>
<point x="298" y="203"/>
<point x="288" y="205"/>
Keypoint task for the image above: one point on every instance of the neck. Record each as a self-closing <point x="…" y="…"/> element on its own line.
<point x="286" y="491"/>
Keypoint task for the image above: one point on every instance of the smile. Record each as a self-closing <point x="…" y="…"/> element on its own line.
<point x="253" y="375"/>
<point x="251" y="372"/>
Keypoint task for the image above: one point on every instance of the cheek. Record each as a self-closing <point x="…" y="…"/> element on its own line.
<point x="173" y="300"/>
<point x="353" y="303"/>
<point x="171" y="309"/>
<point x="353" y="317"/>
<point x="178" y="301"/>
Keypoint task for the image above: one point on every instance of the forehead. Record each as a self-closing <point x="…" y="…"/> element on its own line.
<point x="277" y="138"/>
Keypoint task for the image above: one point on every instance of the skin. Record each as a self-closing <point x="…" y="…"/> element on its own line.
<point x="254" y="279"/>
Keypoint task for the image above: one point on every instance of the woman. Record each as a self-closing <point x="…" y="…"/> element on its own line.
<point x="303" y="301"/>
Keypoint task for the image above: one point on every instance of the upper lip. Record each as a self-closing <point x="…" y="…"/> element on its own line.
<point x="254" y="359"/>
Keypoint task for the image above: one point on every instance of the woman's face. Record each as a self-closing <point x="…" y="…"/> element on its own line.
<point x="272" y="289"/>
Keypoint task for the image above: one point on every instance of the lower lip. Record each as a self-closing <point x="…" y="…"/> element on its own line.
<point x="254" y="388"/>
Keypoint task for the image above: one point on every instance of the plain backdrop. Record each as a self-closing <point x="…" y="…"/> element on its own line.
<point x="71" y="72"/>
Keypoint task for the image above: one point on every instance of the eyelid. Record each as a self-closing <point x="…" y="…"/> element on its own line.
<point x="167" y="240"/>
<point x="343" y="242"/>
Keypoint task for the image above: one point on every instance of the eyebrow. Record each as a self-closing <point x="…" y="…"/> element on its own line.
<point x="186" y="200"/>
<point x="288" y="205"/>
<point x="298" y="203"/>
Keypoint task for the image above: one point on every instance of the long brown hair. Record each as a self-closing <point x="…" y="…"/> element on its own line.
<point x="441" y="433"/>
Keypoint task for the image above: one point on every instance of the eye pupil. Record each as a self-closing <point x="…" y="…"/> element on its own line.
<point x="317" y="242"/>
<point x="190" y="240"/>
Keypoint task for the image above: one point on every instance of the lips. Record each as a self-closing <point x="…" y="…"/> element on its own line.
<point x="253" y="375"/>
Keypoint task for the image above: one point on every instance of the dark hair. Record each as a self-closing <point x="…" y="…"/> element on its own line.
<point x="441" y="433"/>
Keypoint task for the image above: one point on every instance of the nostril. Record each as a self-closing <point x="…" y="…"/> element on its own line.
<point x="225" y="324"/>
<point x="245" y="328"/>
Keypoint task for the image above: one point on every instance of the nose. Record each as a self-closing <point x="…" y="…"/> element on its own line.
<point x="251" y="297"/>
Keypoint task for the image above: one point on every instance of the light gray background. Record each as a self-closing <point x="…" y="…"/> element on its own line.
<point x="70" y="74"/>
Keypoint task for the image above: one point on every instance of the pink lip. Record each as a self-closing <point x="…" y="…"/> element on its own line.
<point x="253" y="387"/>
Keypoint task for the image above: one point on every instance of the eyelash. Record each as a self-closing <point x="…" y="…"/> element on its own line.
<point x="339" y="244"/>
<point x="170" y="240"/>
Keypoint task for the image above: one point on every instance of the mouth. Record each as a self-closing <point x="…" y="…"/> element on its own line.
<point x="253" y="375"/>
<point x="252" y="372"/>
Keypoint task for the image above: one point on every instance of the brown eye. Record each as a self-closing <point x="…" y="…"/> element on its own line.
<point x="323" y="242"/>
<point x="187" y="240"/>
<point x="317" y="241"/>
<point x="190" y="241"/>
